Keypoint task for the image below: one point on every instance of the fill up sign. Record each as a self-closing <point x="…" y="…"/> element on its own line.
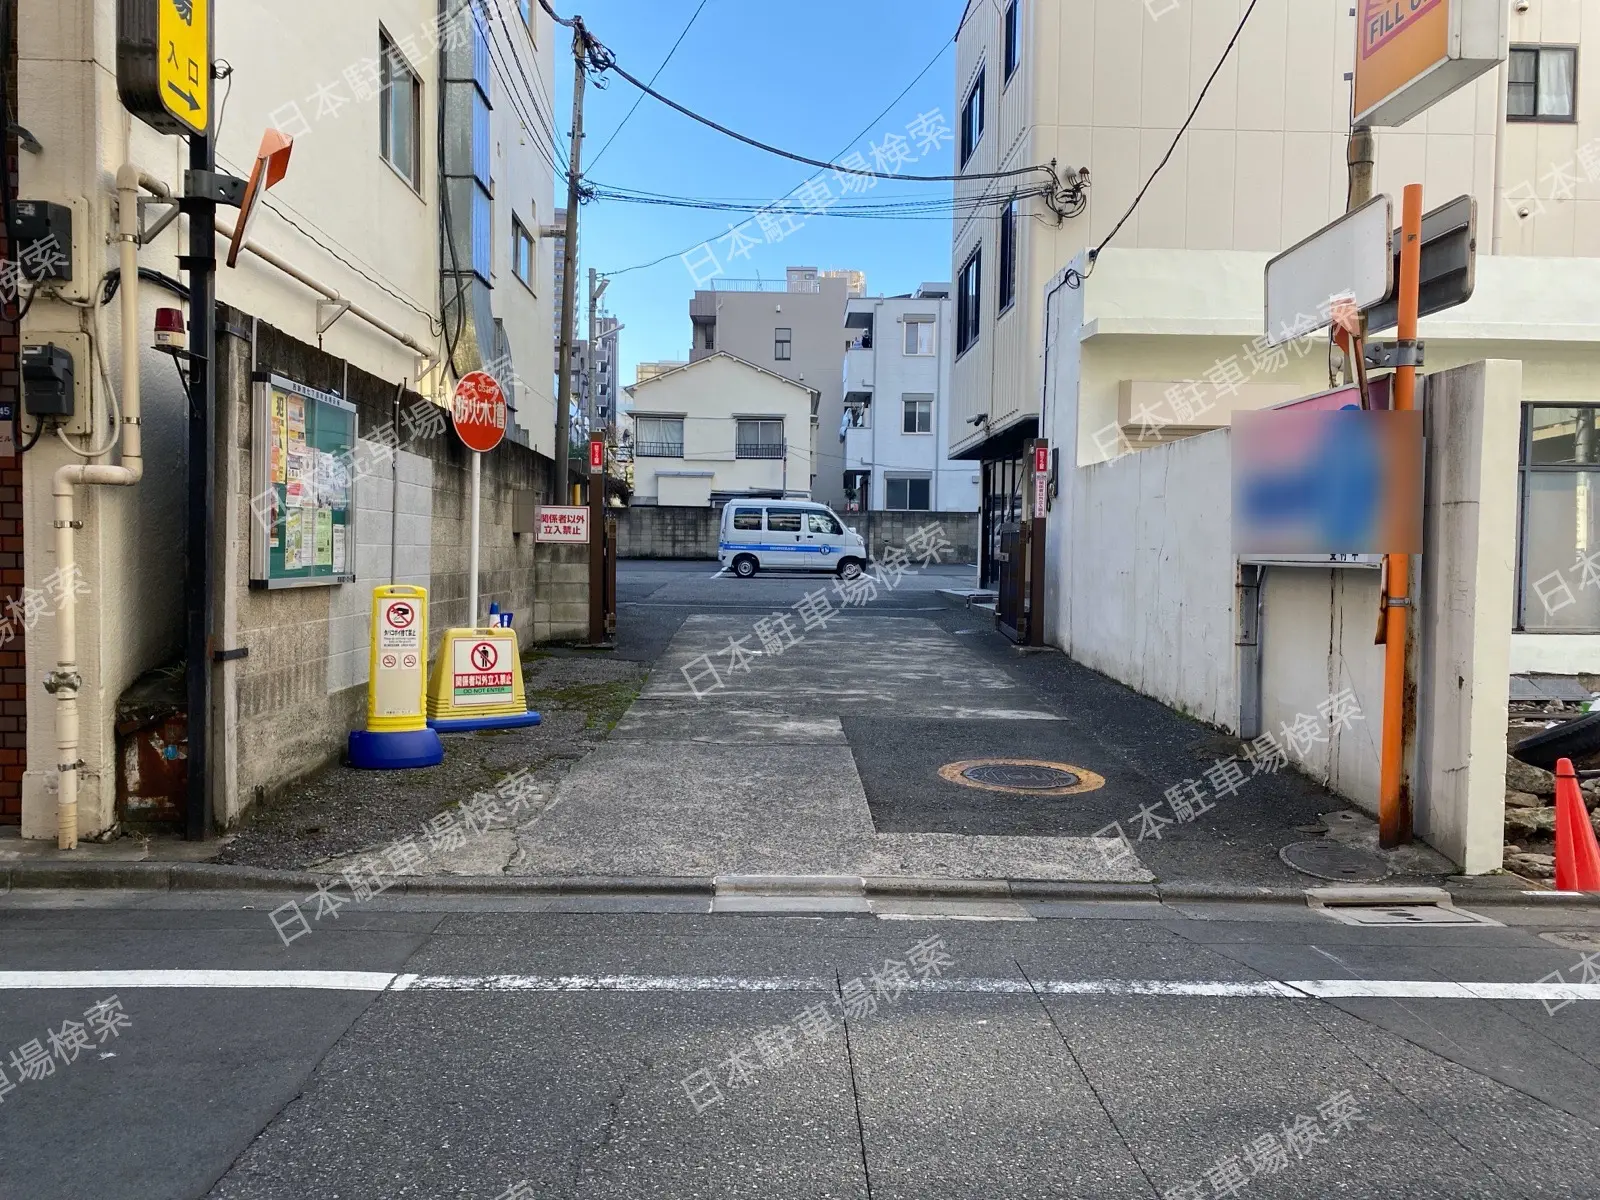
<point x="1410" y="54"/>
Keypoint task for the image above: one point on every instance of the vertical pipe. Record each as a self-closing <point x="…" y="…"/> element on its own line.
<point x="1394" y="810"/>
<point x="394" y="490"/>
<point x="472" y="554"/>
<point x="201" y="265"/>
<point x="1503" y="76"/>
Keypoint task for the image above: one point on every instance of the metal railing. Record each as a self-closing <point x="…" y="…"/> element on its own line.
<point x="764" y="285"/>
<point x="658" y="449"/>
<point x="760" y="450"/>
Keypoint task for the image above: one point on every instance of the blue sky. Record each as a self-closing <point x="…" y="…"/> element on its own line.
<point x="808" y="81"/>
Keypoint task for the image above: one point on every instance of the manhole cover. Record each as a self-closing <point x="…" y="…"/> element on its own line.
<point x="1022" y="775"/>
<point x="1324" y="858"/>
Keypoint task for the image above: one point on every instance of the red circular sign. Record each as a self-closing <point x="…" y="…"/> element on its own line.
<point x="479" y="408"/>
<point x="400" y="614"/>
<point x="389" y="661"/>
<point x="485" y="656"/>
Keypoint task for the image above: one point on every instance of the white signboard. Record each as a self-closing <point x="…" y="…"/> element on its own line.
<point x="483" y="670"/>
<point x="563" y="524"/>
<point x="398" y="659"/>
<point x="1350" y="260"/>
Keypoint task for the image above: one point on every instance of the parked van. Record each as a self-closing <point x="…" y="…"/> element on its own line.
<point x="787" y="535"/>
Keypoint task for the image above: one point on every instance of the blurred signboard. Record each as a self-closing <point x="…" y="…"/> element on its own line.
<point x="1410" y="54"/>
<point x="1330" y="484"/>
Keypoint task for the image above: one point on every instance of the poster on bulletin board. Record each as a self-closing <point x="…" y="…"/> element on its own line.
<point x="302" y="451"/>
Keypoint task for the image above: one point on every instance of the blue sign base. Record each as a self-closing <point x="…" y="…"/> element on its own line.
<point x="472" y="724"/>
<point x="395" y="751"/>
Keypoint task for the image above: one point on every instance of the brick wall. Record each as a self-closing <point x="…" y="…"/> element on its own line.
<point x="13" y="654"/>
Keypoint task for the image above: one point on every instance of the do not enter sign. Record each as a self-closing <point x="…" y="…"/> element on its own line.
<point x="479" y="408"/>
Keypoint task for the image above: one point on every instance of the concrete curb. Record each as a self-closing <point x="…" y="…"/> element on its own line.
<point x="214" y="877"/>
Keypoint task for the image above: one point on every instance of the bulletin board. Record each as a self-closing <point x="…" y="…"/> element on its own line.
<point x="302" y="506"/>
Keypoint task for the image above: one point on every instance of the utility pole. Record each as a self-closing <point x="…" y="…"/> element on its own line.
<point x="569" y="282"/>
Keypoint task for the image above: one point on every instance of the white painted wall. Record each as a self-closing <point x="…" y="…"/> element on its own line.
<point x="710" y="396"/>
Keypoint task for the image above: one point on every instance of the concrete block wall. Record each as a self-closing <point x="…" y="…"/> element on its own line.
<point x="287" y="707"/>
<point x="666" y="531"/>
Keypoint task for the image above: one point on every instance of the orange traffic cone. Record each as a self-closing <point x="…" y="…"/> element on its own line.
<point x="1577" y="851"/>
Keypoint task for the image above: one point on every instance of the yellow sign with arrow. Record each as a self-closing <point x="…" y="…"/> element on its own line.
<point x="184" y="30"/>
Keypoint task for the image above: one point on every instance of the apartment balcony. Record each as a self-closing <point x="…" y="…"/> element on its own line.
<point x="658" y="449"/>
<point x="860" y="370"/>
<point x="858" y="449"/>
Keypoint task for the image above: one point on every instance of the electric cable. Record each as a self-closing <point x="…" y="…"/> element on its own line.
<point x="595" y="162"/>
<point x="538" y="123"/>
<point x="904" y="92"/>
<point x="1171" y="150"/>
<point x="610" y="63"/>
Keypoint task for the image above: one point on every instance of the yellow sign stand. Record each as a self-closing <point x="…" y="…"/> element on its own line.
<point x="477" y="682"/>
<point x="397" y="733"/>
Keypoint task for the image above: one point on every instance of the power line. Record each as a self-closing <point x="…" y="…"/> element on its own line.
<point x="944" y="48"/>
<point x="547" y="123"/>
<point x="1172" y="149"/>
<point x="609" y="62"/>
<point x="596" y="160"/>
<point x="535" y="126"/>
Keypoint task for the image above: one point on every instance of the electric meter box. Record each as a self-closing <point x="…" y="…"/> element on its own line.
<point x="44" y="352"/>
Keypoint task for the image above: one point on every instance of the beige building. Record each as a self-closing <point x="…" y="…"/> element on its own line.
<point x="1165" y="337"/>
<point x="345" y="269"/>
<point x="720" y="428"/>
<point x="649" y="370"/>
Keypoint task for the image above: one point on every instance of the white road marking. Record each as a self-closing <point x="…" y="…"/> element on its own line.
<point x="332" y="981"/>
<point x="380" y="981"/>
<point x="719" y="574"/>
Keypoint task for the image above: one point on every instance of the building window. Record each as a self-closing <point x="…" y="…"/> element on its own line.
<point x="400" y="113"/>
<point x="972" y="117"/>
<point x="919" y="336"/>
<point x="1013" y="38"/>
<point x="908" y="495"/>
<point x="918" y="415"/>
<point x="969" y="294"/>
<point x="1543" y="81"/>
<point x="759" y="439"/>
<point x="747" y="518"/>
<point x="1008" y="255"/>
<point x="783" y="345"/>
<point x="522" y="252"/>
<point x="1560" y="548"/>
<point x="658" y="437"/>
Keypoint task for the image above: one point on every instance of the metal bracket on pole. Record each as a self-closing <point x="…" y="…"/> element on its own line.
<point x="1382" y="355"/>
<point x="215" y="187"/>
<point x="149" y="231"/>
<point x="339" y="307"/>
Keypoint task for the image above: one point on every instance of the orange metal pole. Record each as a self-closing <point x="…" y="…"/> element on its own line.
<point x="1394" y="813"/>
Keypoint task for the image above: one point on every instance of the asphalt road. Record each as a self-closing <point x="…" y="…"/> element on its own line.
<point x="1140" y="747"/>
<point x="446" y="1049"/>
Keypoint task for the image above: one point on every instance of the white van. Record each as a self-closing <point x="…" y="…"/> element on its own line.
<point x="787" y="535"/>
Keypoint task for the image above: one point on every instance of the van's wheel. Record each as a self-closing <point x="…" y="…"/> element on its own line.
<point x="744" y="566"/>
<point x="850" y="568"/>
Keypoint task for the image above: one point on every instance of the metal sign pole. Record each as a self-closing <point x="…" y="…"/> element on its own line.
<point x="1394" y="800"/>
<point x="472" y="554"/>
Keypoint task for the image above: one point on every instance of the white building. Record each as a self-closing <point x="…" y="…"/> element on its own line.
<point x="896" y="389"/>
<point x="349" y="260"/>
<point x="1172" y="311"/>
<point x="718" y="429"/>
